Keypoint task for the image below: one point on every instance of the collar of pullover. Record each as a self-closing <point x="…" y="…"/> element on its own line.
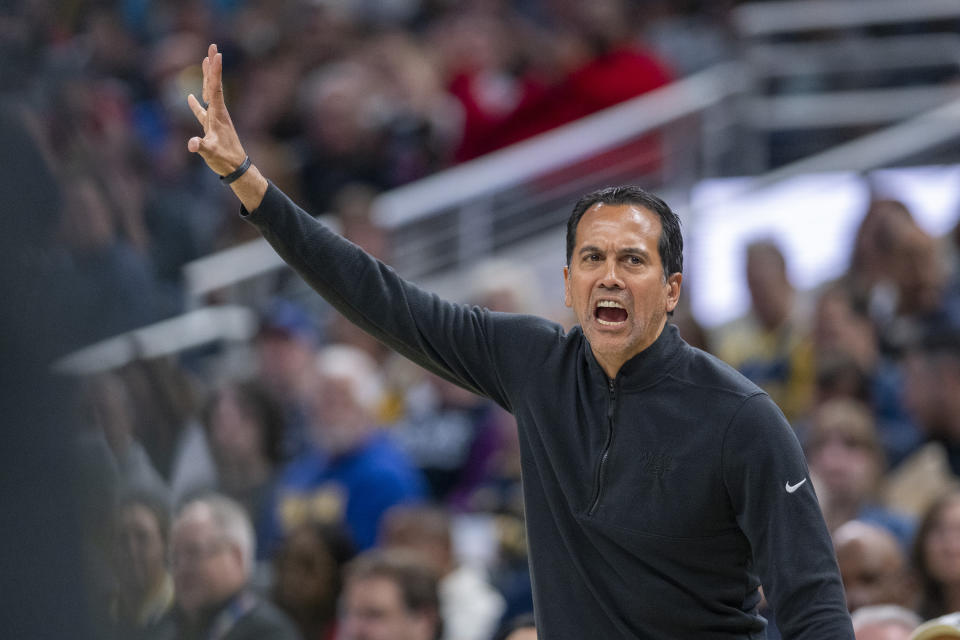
<point x="648" y="366"/>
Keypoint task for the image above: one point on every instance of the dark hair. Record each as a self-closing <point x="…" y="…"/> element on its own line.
<point x="335" y="547"/>
<point x="416" y="582"/>
<point x="670" y="244"/>
<point x="150" y="499"/>
<point x="932" y="598"/>
<point x="427" y="522"/>
<point x="254" y="398"/>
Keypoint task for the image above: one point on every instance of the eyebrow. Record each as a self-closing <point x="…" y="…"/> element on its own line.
<point x="622" y="252"/>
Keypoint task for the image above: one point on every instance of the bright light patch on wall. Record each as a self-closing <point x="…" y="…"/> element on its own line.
<point x="813" y="218"/>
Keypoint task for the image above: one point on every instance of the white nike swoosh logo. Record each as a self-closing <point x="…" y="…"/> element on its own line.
<point x="793" y="487"/>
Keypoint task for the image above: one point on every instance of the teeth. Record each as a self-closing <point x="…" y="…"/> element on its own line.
<point x="610" y="303"/>
<point x="609" y="324"/>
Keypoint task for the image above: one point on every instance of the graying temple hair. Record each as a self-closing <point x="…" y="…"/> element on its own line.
<point x="230" y="519"/>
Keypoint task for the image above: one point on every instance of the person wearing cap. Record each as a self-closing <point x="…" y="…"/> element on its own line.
<point x="661" y="487"/>
<point x="943" y="628"/>
<point x="286" y="346"/>
<point x="353" y="471"/>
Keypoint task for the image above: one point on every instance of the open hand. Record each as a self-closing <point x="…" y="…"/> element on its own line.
<point x="220" y="146"/>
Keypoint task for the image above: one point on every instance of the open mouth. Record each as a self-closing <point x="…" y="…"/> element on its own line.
<point x="609" y="313"/>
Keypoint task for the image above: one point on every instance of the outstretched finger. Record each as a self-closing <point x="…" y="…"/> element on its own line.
<point x="205" y="90"/>
<point x="208" y="80"/>
<point x="198" y="110"/>
<point x="216" y="80"/>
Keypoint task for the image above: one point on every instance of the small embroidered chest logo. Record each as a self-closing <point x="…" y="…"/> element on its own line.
<point x="793" y="487"/>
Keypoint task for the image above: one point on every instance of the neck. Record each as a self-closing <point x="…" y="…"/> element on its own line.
<point x="202" y="614"/>
<point x="612" y="363"/>
<point x="611" y="368"/>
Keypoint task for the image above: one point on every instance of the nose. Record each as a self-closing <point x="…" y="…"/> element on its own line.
<point x="611" y="275"/>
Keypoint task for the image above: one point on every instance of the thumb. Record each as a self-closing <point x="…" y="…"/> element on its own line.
<point x="194" y="143"/>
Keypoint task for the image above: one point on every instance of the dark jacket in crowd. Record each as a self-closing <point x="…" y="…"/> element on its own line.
<point x="245" y="616"/>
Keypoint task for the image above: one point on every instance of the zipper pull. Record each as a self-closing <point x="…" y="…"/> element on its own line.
<point x="613" y="394"/>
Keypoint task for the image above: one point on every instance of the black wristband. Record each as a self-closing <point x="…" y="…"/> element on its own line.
<point x="239" y="171"/>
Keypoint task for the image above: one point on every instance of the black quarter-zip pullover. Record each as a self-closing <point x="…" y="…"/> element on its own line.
<point x="656" y="503"/>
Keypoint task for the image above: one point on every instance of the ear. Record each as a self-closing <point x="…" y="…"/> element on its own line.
<point x="236" y="554"/>
<point x="567" y="299"/>
<point x="673" y="290"/>
<point x="236" y="561"/>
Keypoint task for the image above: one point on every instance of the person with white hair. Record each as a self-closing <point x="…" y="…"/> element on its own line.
<point x="212" y="558"/>
<point x="353" y="471"/>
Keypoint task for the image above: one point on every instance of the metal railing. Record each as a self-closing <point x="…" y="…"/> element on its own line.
<point x="712" y="123"/>
<point x="930" y="131"/>
<point x="226" y="323"/>
<point x="513" y="202"/>
<point x="446" y="221"/>
<point x="824" y="71"/>
<point x="792" y="16"/>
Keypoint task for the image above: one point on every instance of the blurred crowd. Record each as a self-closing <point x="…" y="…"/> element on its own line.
<point x="330" y="98"/>
<point x="314" y="485"/>
<point x="867" y="370"/>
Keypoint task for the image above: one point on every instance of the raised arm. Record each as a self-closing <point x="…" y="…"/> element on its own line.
<point x="479" y="350"/>
<point x="220" y="145"/>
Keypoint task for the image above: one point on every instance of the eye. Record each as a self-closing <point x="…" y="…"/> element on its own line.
<point x="593" y="257"/>
<point x="634" y="260"/>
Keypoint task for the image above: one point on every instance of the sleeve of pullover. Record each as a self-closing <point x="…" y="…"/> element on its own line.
<point x="770" y="489"/>
<point x="454" y="341"/>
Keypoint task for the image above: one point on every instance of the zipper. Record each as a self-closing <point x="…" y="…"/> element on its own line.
<point x="606" y="447"/>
